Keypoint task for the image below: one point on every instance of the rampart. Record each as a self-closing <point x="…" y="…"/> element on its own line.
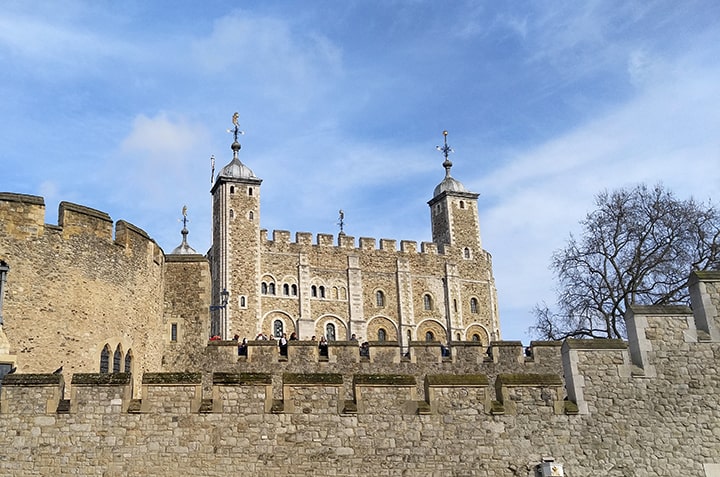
<point x="281" y="242"/>
<point x="74" y="288"/>
<point x="648" y="406"/>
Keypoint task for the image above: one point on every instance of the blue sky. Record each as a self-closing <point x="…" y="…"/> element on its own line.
<point x="119" y="105"/>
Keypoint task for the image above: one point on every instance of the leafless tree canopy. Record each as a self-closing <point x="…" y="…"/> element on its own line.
<point x="637" y="247"/>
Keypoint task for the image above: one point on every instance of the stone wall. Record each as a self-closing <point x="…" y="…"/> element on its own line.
<point x="597" y="407"/>
<point x="73" y="288"/>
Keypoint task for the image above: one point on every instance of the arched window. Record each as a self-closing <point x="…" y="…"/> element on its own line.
<point x="263" y="288"/>
<point x="250" y="191"/>
<point x="117" y="360"/>
<point x="243" y="302"/>
<point x="105" y="359"/>
<point x="427" y="301"/>
<point x="462" y="204"/>
<point x="380" y="298"/>
<point x="457" y="337"/>
<point x="466" y="252"/>
<point x="455" y="305"/>
<point x="286" y="289"/>
<point x="232" y="189"/>
<point x="251" y="215"/>
<point x="473" y="305"/>
<point x="409" y="336"/>
<point x="128" y="362"/>
<point x="271" y="288"/>
<point x="476" y="337"/>
<point x="278" y="328"/>
<point x="232" y="214"/>
<point x="293" y="290"/>
<point x="321" y="289"/>
<point x="173" y="332"/>
<point x="313" y="291"/>
<point x="382" y="335"/>
<point x="335" y="293"/>
<point x="429" y="336"/>
<point x="330" y="332"/>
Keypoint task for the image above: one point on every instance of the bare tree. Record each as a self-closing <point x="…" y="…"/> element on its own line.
<point x="637" y="247"/>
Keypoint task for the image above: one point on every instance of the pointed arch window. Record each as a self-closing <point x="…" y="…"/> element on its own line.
<point x="330" y="332"/>
<point x="105" y="359"/>
<point x="128" y="362"/>
<point x="117" y="360"/>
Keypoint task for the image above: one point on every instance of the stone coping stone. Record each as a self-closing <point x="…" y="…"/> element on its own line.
<point x="172" y="378"/>
<point x="340" y="344"/>
<point x="383" y="344"/>
<point x="456" y="380"/>
<point x="81" y="209"/>
<point x="23" y="198"/>
<point x="261" y="342"/>
<point x="102" y="379"/>
<point x="469" y="344"/>
<point x="538" y="344"/>
<point x="710" y="275"/>
<point x="242" y="378"/>
<point x="303" y="343"/>
<point x="424" y="344"/>
<point x="661" y="310"/>
<point x="596" y="344"/>
<point x="312" y="378"/>
<point x="529" y="379"/>
<point x="185" y="257"/>
<point x="31" y="379"/>
<point x="225" y="343"/>
<point x="384" y="379"/>
<point x="500" y="344"/>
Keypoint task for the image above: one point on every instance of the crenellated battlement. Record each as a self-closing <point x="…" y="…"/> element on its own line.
<point x="282" y="242"/>
<point x="23" y="216"/>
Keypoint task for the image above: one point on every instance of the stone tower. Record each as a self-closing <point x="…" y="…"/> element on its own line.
<point x="235" y="253"/>
<point x="454" y="213"/>
<point x="468" y="270"/>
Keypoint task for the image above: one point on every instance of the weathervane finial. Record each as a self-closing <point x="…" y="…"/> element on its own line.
<point x="446" y="150"/>
<point x="236" y="131"/>
<point x="341" y="221"/>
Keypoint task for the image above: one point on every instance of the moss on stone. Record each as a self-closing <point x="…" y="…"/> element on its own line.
<point x="312" y="378"/>
<point x="242" y="378"/>
<point x="384" y="379"/>
<point x="596" y="344"/>
<point x="31" y="379"/>
<point x="172" y="378"/>
<point x="101" y="379"/>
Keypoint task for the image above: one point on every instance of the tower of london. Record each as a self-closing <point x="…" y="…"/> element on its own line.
<point x="119" y="358"/>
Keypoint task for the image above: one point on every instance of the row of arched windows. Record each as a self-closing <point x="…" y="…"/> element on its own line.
<point x="268" y="288"/>
<point x="120" y="364"/>
<point x="319" y="291"/>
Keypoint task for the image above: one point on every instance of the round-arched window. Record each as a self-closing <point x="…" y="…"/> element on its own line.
<point x="429" y="336"/>
<point x="278" y="328"/>
<point x="330" y="332"/>
<point x="382" y="334"/>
